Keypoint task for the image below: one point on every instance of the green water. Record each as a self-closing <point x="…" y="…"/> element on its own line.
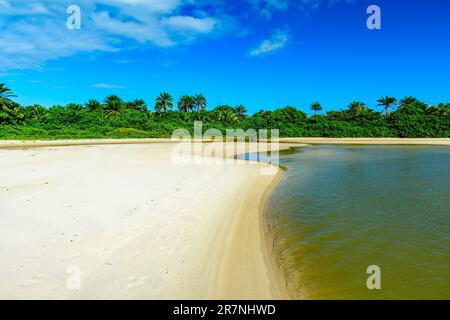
<point x="341" y="209"/>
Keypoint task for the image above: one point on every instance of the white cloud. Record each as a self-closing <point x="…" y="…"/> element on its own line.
<point x="190" y="24"/>
<point x="276" y="42"/>
<point x="138" y="31"/>
<point x="32" y="33"/>
<point x="107" y="86"/>
<point x="26" y="9"/>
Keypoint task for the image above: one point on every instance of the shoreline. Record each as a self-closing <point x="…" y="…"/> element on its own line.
<point x="268" y="239"/>
<point x="253" y="264"/>
<point x="116" y="250"/>
<point x="279" y="289"/>
<point x="233" y="271"/>
<point x="13" y="144"/>
<point x="371" y="141"/>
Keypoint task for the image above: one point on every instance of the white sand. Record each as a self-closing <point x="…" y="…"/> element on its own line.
<point x="379" y="141"/>
<point x="136" y="225"/>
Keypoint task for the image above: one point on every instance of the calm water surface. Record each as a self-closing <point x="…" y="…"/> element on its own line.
<point x="343" y="208"/>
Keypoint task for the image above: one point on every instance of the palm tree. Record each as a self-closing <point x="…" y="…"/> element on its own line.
<point x="137" y="104"/>
<point x="356" y="106"/>
<point x="74" y="107"/>
<point x="241" y="111"/>
<point x="163" y="102"/>
<point x="93" y="105"/>
<point x="408" y="101"/>
<point x="202" y="115"/>
<point x="316" y="107"/>
<point x="186" y="117"/>
<point x="5" y="96"/>
<point x="223" y="107"/>
<point x="387" y="102"/>
<point x="113" y="105"/>
<point x="10" y="111"/>
<point x="199" y="102"/>
<point x="227" y="117"/>
<point x="35" y="112"/>
<point x="186" y="103"/>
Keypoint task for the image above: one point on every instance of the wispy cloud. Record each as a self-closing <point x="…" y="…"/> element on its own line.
<point x="277" y="41"/>
<point x="107" y="86"/>
<point x="36" y="32"/>
<point x="267" y="7"/>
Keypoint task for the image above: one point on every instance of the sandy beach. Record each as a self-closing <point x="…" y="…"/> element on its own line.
<point x="368" y="141"/>
<point x="131" y="224"/>
<point x="126" y="222"/>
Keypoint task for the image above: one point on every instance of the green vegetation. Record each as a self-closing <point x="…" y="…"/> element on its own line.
<point x="115" y="118"/>
<point x="316" y="107"/>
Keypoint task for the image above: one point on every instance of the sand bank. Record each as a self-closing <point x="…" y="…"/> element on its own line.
<point x="125" y="222"/>
<point x="385" y="141"/>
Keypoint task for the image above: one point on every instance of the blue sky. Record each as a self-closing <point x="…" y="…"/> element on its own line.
<point x="264" y="54"/>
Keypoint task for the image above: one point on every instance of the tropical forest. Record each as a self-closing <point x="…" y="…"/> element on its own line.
<point x="113" y="117"/>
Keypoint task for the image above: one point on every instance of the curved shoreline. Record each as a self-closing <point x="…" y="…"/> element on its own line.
<point x="248" y="269"/>
<point x="200" y="237"/>
<point x="240" y="263"/>
<point x="268" y="240"/>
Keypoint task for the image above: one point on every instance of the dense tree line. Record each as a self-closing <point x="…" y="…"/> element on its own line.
<point x="115" y="118"/>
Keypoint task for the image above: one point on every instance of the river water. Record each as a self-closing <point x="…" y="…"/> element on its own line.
<point x="341" y="209"/>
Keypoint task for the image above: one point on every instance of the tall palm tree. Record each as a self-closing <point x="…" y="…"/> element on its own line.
<point x="356" y="106"/>
<point x="316" y="107"/>
<point x="199" y="102"/>
<point x="387" y="102"/>
<point x="113" y="105"/>
<point x="241" y="111"/>
<point x="5" y="96"/>
<point x="163" y="102"/>
<point x="186" y="103"/>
